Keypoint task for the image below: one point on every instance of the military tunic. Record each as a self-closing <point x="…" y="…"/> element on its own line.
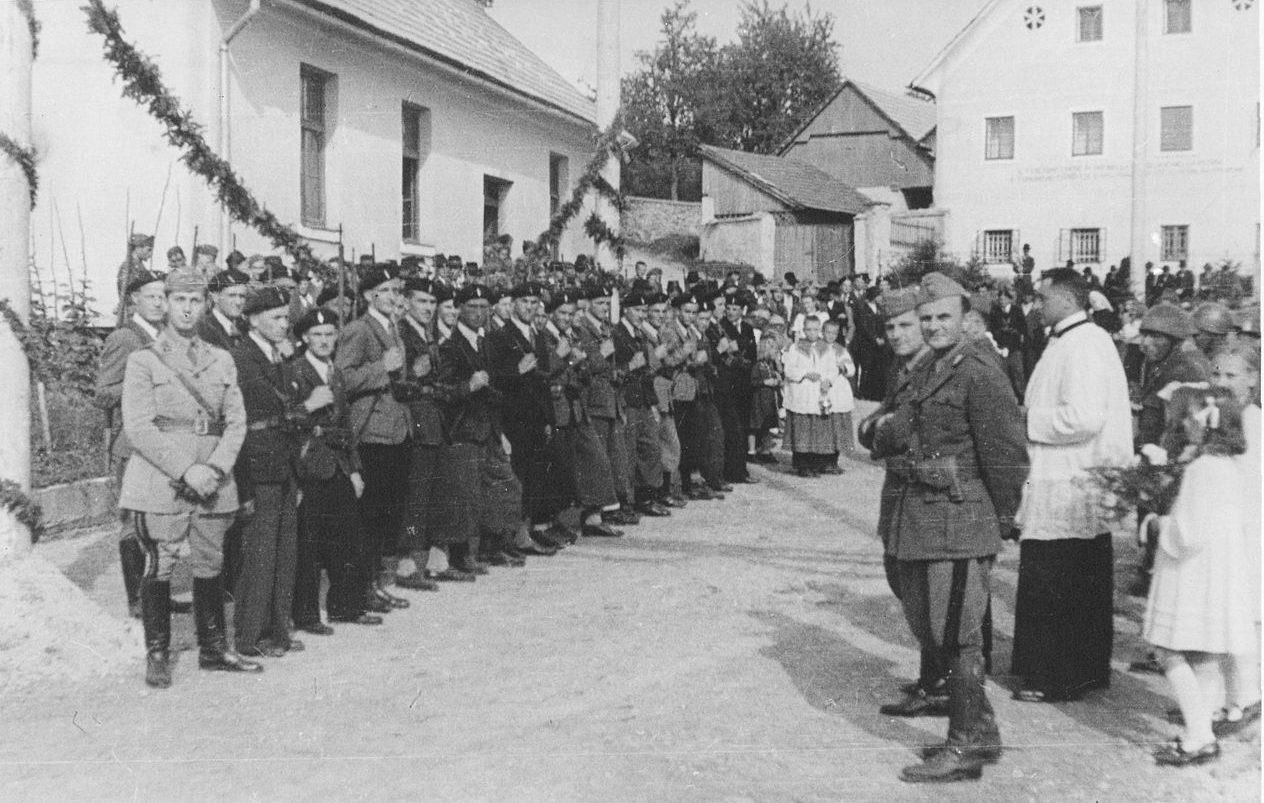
<point x="170" y="430"/>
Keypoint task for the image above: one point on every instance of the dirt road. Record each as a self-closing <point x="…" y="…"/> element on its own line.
<point x="737" y="651"/>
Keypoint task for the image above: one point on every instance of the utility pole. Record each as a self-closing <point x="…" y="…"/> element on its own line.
<point x="608" y="88"/>
<point x="1138" y="244"/>
<point x="15" y="237"/>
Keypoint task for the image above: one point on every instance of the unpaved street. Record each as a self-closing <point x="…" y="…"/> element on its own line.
<point x="738" y="652"/>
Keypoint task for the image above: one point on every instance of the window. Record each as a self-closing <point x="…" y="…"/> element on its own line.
<point x="1089" y="28"/>
<point x="1176" y="128"/>
<point x="1086" y="245"/>
<point x="1000" y="138"/>
<point x="1175" y="243"/>
<point x="1086" y="133"/>
<point x="314" y="132"/>
<point x="1177" y="16"/>
<point x="559" y="181"/>
<point x="494" y="192"/>
<point x="998" y="246"/>
<point x="415" y="140"/>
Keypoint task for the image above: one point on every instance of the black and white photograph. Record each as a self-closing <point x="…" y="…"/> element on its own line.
<point x="630" y="400"/>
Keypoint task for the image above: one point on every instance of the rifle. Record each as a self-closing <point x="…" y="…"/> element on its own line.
<point x="342" y="280"/>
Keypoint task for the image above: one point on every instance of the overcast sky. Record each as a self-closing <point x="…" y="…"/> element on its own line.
<point x="883" y="42"/>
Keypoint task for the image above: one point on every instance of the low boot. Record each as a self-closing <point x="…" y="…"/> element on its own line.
<point x="208" y="612"/>
<point x="155" y="605"/>
<point x="947" y="764"/>
<point x="132" y="559"/>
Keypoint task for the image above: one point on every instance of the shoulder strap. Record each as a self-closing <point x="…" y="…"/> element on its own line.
<point x="186" y="382"/>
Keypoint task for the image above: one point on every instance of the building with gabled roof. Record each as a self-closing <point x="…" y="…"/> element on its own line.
<point x="1100" y="130"/>
<point x="399" y="127"/>
<point x="779" y="215"/>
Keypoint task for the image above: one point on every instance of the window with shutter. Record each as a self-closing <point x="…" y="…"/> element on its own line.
<point x="1087" y="133"/>
<point x="1089" y="24"/>
<point x="999" y="138"/>
<point x="1177" y="16"/>
<point x="1176" y="128"/>
<point x="1175" y="243"/>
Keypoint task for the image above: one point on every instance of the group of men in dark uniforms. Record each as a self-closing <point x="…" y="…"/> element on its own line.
<point x="418" y="442"/>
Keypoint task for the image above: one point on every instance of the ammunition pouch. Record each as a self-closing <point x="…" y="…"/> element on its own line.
<point x="939" y="474"/>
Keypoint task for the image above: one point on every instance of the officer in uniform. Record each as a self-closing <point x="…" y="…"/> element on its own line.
<point x="184" y="418"/>
<point x="264" y="591"/>
<point x="956" y="494"/>
<point x="665" y="362"/>
<point x="330" y="534"/>
<point x="371" y="356"/>
<point x="148" y="298"/>
<point x="640" y="406"/>
<point x="888" y="437"/>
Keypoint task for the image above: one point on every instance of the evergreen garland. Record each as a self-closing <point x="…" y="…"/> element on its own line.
<point x="25" y="158"/>
<point x="142" y="82"/>
<point x="595" y="227"/>
<point x="28" y="10"/>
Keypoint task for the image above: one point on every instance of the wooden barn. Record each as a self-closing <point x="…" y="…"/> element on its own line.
<point x="779" y="215"/>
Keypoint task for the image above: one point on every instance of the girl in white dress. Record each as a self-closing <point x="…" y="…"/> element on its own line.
<point x="1199" y="608"/>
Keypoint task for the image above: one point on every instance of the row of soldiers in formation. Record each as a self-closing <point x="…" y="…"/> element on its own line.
<point x="417" y="443"/>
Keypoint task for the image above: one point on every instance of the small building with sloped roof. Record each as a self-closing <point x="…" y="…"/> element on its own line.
<point x="779" y="215"/>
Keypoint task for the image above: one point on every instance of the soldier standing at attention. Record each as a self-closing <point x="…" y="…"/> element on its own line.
<point x="266" y="472"/>
<point x="640" y="407"/>
<point x="371" y="357"/>
<point x="330" y="534"/>
<point x="965" y="473"/>
<point x="183" y="415"/>
<point x="221" y="325"/>
<point x="140" y="247"/>
<point x="148" y="298"/>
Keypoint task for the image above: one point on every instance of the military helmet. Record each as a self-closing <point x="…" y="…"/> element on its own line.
<point x="1248" y="321"/>
<point x="1165" y="319"/>
<point x="1211" y="318"/>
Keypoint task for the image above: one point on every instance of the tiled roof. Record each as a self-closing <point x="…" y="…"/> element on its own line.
<point x="916" y="117"/>
<point x="460" y="33"/>
<point x="796" y="184"/>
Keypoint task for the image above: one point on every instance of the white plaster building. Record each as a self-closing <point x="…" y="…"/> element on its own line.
<point x="1101" y="128"/>
<point x="413" y="126"/>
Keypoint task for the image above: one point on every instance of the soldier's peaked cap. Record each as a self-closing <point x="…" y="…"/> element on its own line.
<point x="894" y="303"/>
<point x="525" y="290"/>
<point x="234" y="259"/>
<point x="633" y="299"/>
<point x="141" y="240"/>
<point x="186" y="281"/>
<point x="312" y="318"/>
<point x="263" y="298"/>
<point x="206" y="248"/>
<point x="936" y="286"/>
<point x="472" y="292"/>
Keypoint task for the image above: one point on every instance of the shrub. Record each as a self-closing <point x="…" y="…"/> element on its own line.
<point x="928" y="257"/>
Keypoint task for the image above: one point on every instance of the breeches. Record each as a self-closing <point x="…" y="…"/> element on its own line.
<point x="640" y="436"/>
<point x="168" y="537"/>
<point x="945" y="602"/>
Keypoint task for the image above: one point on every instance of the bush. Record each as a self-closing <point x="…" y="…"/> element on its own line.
<point x="929" y="257"/>
<point x="78" y="439"/>
<point x="676" y="247"/>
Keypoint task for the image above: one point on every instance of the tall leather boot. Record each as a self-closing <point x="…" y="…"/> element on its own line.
<point x="208" y="613"/>
<point x="973" y="737"/>
<point x="132" y="559"/>
<point x="155" y="605"/>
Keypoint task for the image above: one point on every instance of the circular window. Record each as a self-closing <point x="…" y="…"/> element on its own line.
<point x="1243" y="5"/>
<point x="1034" y="17"/>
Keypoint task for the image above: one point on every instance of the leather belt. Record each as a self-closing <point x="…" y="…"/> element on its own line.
<point x="214" y="428"/>
<point x="265" y="423"/>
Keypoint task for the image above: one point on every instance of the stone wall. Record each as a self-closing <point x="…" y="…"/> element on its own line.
<point x="647" y="219"/>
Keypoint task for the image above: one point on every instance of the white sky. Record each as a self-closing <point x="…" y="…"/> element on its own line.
<point x="883" y="42"/>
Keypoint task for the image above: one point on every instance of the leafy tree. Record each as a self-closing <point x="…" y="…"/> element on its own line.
<point x="929" y="256"/>
<point x="782" y="67"/>
<point x="663" y="104"/>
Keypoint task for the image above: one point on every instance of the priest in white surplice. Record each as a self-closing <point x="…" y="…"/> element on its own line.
<point x="1078" y="416"/>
